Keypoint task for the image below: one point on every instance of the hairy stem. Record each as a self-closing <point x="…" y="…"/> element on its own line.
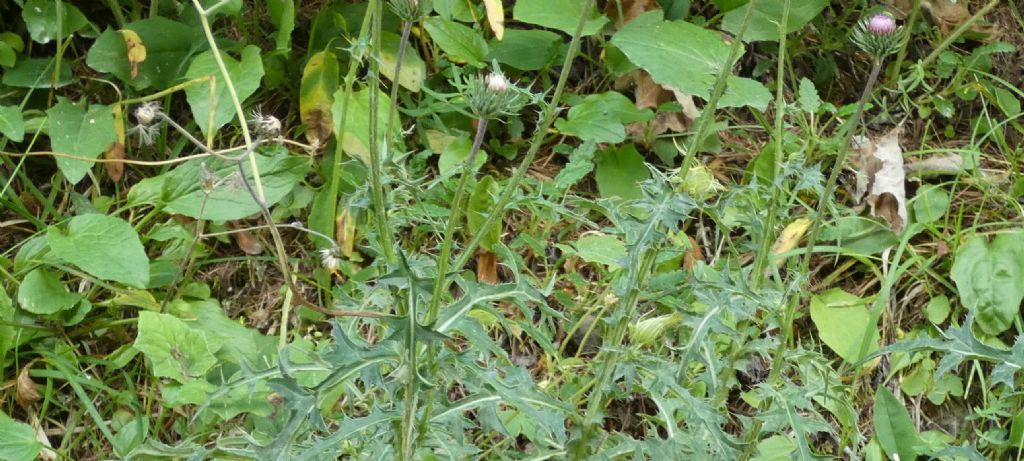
<point x="376" y="166"/>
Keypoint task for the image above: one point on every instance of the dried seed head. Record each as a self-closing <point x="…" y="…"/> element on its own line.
<point x="148" y="112"/>
<point x="330" y="259"/>
<point x="266" y="126"/>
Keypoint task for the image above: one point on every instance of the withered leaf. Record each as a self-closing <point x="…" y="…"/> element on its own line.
<point x="487" y="267"/>
<point x="881" y="177"/>
<point x="25" y="392"/>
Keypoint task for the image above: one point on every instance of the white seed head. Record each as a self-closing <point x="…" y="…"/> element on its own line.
<point x="329" y="259"/>
<point x="147" y="113"/>
<point x="497" y="83"/>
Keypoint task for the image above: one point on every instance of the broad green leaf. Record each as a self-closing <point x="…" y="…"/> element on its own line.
<point x="990" y="279"/>
<point x="174" y="349"/>
<point x="602" y="118"/>
<point x="460" y="43"/>
<point x="356" y="140"/>
<point x="179" y="190"/>
<point x="12" y="125"/>
<point x="526" y="49"/>
<point x="859" y="235"/>
<point x="78" y="132"/>
<point x="937" y="309"/>
<point x="316" y="95"/>
<point x="282" y="15"/>
<point x="47" y="20"/>
<point x="563" y="15"/>
<point x="455" y="154"/>
<point x="619" y="171"/>
<point x="603" y="249"/>
<point x="41" y="292"/>
<point x="894" y="429"/>
<point x="413" y="68"/>
<point x="930" y="204"/>
<point x="767" y="17"/>
<point x="239" y="343"/>
<point x="17" y="440"/>
<point x="106" y="247"/>
<point x="245" y="74"/>
<point x="36" y="73"/>
<point x="170" y="46"/>
<point x="775" y="448"/>
<point x="842" y="319"/>
<point x="481" y="205"/>
<point x="809" y="100"/>
<point x="7" y="55"/>
<point x="688" y="58"/>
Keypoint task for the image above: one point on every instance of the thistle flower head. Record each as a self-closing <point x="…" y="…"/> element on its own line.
<point x="497" y="83"/>
<point x="882" y="24"/>
<point x="493" y="95"/>
<point x="148" y="113"/>
<point x="878" y="35"/>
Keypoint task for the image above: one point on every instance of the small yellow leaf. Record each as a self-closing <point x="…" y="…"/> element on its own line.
<point x="136" y="50"/>
<point x="496" y="17"/>
<point x="345" y="226"/>
<point x="790" y="236"/>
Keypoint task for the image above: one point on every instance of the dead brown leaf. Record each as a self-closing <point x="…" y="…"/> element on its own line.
<point x="25" y="392"/>
<point x="692" y="255"/>
<point x="345" y="232"/>
<point x="487" y="267"/>
<point x="648" y="94"/>
<point x="948" y="14"/>
<point x="247" y="243"/>
<point x="630" y="10"/>
<point x="115" y="170"/>
<point x="882" y="178"/>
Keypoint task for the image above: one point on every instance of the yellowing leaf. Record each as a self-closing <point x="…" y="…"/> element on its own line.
<point x="496" y="17"/>
<point x="136" y="50"/>
<point x="319" y="82"/>
<point x="790" y="236"/>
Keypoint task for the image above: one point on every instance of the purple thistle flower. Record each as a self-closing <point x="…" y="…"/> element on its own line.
<point x="882" y="24"/>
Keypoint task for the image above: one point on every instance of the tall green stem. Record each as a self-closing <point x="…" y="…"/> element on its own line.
<point x="768" y="231"/>
<point x="453" y="222"/>
<point x="376" y="166"/>
<point x="844" y="150"/>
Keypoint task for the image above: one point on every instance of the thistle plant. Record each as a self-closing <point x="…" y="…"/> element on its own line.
<point x="878" y="36"/>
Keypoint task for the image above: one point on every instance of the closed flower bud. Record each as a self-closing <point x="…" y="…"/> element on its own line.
<point x="882" y="24"/>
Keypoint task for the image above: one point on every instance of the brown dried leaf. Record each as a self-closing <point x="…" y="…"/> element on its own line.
<point x="630" y="10"/>
<point x="648" y="94"/>
<point x="247" y="243"/>
<point x="115" y="170"/>
<point x="487" y="267"/>
<point x="25" y="392"/>
<point x="882" y="178"/>
<point x="948" y="14"/>
<point x="692" y="255"/>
